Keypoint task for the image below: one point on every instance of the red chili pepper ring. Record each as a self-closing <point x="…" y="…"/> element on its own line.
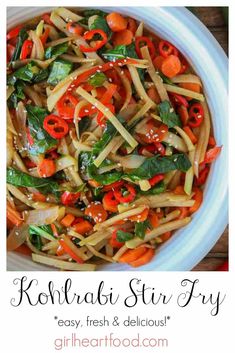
<point x="55" y="126"/>
<point x="131" y="193"/>
<point x="196" y="115"/>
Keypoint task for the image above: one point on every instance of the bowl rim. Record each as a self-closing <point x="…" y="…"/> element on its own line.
<point x="194" y="32"/>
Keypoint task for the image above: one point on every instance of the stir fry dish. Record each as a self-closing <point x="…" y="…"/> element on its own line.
<point x="109" y="140"/>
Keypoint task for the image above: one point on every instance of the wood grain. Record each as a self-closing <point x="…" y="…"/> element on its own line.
<point x="212" y="18"/>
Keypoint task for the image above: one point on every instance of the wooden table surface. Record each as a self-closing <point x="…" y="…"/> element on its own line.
<point x="212" y="17"/>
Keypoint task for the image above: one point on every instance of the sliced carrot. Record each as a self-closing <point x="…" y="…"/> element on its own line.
<point x="132" y="254"/>
<point x="38" y="196"/>
<point x="190" y="134"/>
<point x="211" y="141"/>
<point x="70" y="251"/>
<point x="141" y="217"/>
<point x="116" y="22"/>
<point x="157" y="62"/>
<point x="113" y="240"/>
<point x="13" y="216"/>
<point x="171" y="66"/>
<point x="184" y="212"/>
<point x="153" y="219"/>
<point x="122" y="38"/>
<point x="191" y="86"/>
<point x="54" y="230"/>
<point x="166" y="236"/>
<point x="96" y="211"/>
<point x="144" y="259"/>
<point x="46" y="168"/>
<point x="198" y="197"/>
<point x="179" y="190"/>
<point x="67" y="220"/>
<point x="93" y="183"/>
<point x="60" y="251"/>
<point x="153" y="95"/>
<point x="131" y="25"/>
<point x="23" y="249"/>
<point x="83" y="227"/>
<point x="212" y="154"/>
<point x="183" y="113"/>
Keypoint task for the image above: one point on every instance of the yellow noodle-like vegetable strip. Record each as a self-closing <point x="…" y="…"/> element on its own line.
<point x="154" y="76"/>
<point x="120" y="252"/>
<point x="175" y="141"/>
<point x="73" y="247"/>
<point x="169" y="217"/>
<point x="60" y="41"/>
<point x="37" y="44"/>
<point x="184" y="92"/>
<point x="127" y="86"/>
<point x="203" y="139"/>
<point x="186" y="138"/>
<point x="187" y="78"/>
<point x="119" y="217"/>
<point x="167" y="227"/>
<point x="140" y="30"/>
<point x="188" y="183"/>
<point x="106" y="151"/>
<point x="63" y="265"/>
<point x="68" y="15"/>
<point x="116" y="123"/>
<point x="138" y="85"/>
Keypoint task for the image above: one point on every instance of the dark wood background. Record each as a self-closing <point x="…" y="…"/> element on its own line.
<point x="213" y="19"/>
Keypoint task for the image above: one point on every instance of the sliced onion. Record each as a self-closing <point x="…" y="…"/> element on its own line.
<point x="38" y="49"/>
<point x="42" y="216"/>
<point x="21" y="114"/>
<point x="132" y="161"/>
<point x="17" y="237"/>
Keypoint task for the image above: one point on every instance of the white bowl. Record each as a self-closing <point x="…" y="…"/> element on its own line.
<point x="176" y="24"/>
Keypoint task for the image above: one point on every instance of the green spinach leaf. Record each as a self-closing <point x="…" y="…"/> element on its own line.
<point x="30" y="73"/>
<point x="90" y="171"/>
<point x="84" y="123"/>
<point x="109" y="132"/>
<point x="141" y="227"/>
<point x="36" y="232"/>
<point x="167" y="115"/>
<point x="101" y="23"/>
<point x="17" y="95"/>
<point x="89" y="13"/>
<point x="160" y="165"/>
<point x="98" y="79"/>
<point x="44" y="185"/>
<point x="23" y="35"/>
<point x="59" y="70"/>
<point x="121" y="52"/>
<point x="57" y="50"/>
<point x="124" y="236"/>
